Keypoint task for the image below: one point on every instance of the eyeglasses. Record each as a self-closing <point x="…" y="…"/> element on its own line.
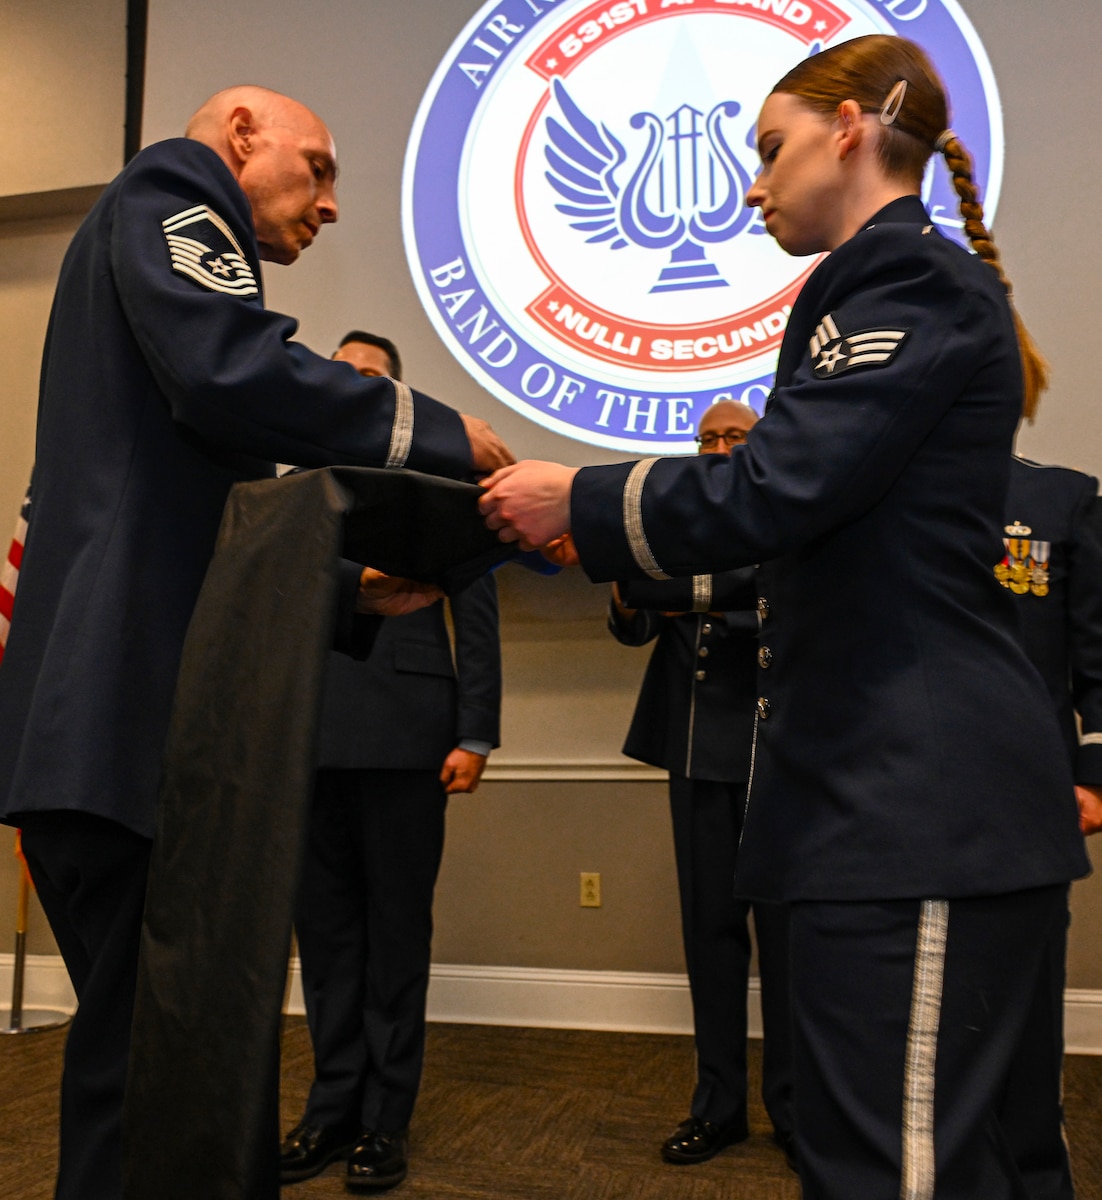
<point x="730" y="437"/>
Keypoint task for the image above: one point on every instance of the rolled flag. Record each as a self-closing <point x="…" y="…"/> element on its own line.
<point x="9" y="571"/>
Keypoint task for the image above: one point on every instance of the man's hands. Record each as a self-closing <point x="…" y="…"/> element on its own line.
<point x="462" y="771"/>
<point x="488" y="451"/>
<point x="1090" y="809"/>
<point x="385" y="596"/>
<point x="529" y="502"/>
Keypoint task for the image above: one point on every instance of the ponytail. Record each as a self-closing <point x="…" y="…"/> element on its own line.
<point x="894" y="77"/>
<point x="1035" y="371"/>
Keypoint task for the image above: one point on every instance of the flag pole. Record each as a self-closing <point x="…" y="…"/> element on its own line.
<point x="29" y="1020"/>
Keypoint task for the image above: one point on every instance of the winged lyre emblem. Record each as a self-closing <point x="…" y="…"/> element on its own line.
<point x="687" y="191"/>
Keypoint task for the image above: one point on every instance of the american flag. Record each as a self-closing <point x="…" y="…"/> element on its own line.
<point x="9" y="571"/>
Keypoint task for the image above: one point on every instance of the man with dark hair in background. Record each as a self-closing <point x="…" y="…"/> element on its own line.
<point x="370" y="354"/>
<point x="165" y="381"/>
<point x="399" y="733"/>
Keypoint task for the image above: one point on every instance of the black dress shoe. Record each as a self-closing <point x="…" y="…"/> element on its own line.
<point x="378" y="1160"/>
<point x="308" y="1149"/>
<point x="696" y="1140"/>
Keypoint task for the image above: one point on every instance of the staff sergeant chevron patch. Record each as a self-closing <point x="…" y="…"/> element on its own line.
<point x="832" y="352"/>
<point x="209" y="254"/>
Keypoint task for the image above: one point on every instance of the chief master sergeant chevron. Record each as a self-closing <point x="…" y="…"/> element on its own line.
<point x="164" y="381"/>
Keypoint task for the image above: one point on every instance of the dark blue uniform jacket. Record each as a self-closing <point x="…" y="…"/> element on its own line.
<point x="1053" y="569"/>
<point x="695" y="713"/>
<point x="887" y="755"/>
<point x="409" y="704"/>
<point x="165" y="381"/>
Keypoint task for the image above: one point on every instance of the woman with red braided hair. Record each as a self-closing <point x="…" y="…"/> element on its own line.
<point x="911" y="796"/>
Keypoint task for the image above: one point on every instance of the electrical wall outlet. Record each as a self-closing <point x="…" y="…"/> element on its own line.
<point x="591" y="889"/>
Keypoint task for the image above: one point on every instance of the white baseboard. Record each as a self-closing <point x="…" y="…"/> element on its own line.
<point x="627" y="1001"/>
<point x="624" y="1001"/>
<point x="45" y="983"/>
<point x="1082" y="1021"/>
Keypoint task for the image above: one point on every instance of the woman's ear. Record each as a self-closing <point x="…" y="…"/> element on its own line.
<point x="851" y="126"/>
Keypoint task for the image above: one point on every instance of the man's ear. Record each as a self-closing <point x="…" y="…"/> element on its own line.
<point x="242" y="134"/>
<point x="851" y="126"/>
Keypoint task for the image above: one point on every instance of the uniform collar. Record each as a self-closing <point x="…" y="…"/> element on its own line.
<point x="907" y="210"/>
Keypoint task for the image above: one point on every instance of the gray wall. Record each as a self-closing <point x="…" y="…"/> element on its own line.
<point x="61" y="71"/>
<point x="559" y="805"/>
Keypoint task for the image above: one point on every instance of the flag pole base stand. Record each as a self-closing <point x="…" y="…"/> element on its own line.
<point x="33" y="1020"/>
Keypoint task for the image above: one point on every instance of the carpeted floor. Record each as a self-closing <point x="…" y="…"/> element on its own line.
<point x="517" y="1114"/>
<point x="521" y="1114"/>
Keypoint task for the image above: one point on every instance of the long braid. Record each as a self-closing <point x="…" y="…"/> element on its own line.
<point x="1035" y="372"/>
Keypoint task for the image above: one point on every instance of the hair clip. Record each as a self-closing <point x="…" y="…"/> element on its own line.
<point x="893" y="103"/>
<point x="943" y="139"/>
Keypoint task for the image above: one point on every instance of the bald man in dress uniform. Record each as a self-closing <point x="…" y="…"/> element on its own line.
<point x="165" y="381"/>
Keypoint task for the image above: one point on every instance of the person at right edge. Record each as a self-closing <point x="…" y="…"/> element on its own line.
<point x="911" y="797"/>
<point x="1053" y="569"/>
<point x="695" y="719"/>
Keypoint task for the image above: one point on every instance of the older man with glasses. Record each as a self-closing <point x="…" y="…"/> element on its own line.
<point x="695" y="718"/>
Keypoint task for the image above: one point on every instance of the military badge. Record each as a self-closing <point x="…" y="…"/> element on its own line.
<point x="208" y="252"/>
<point x="832" y="353"/>
<point x="1024" y="569"/>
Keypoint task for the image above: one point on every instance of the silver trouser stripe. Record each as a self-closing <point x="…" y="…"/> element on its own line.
<point x="401" y="436"/>
<point x="633" y="520"/>
<point x="1091" y="739"/>
<point x="919" y="1171"/>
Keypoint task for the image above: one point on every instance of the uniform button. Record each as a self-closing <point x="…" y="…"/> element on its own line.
<point x="701" y="675"/>
<point x="763" y="708"/>
<point x="765" y="658"/>
<point x="703" y="652"/>
<point x="707" y="629"/>
<point x="763" y="608"/>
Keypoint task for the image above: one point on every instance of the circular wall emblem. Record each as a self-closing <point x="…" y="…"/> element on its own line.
<point x="574" y="198"/>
